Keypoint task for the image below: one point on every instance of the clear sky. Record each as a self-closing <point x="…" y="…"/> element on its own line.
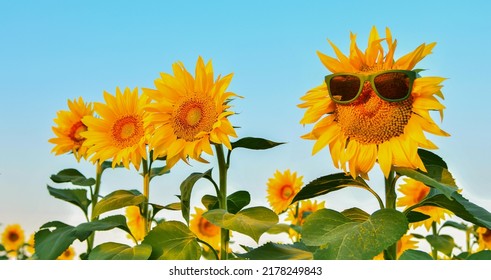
<point x="52" y="51"/>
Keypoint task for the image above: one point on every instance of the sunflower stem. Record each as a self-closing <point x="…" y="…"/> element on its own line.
<point x="223" y="168"/>
<point x="390" y="203"/>
<point x="434" y="251"/>
<point x="146" y="193"/>
<point x="94" y="200"/>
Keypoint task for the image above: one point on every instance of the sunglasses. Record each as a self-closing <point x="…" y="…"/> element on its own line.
<point x="389" y="85"/>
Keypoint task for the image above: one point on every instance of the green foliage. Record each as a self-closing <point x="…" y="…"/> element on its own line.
<point x="73" y="176"/>
<point x="344" y="238"/>
<point x="254" y="143"/>
<point x="76" y="197"/>
<point x="158" y="171"/>
<point x="415" y="216"/>
<point x="482" y="255"/>
<point x="235" y="202"/>
<point x="415" y="255"/>
<point x="442" y="243"/>
<point x="437" y="177"/>
<point x="187" y="188"/>
<point x="273" y="251"/>
<point x="252" y="222"/>
<point x="356" y="214"/>
<point x="116" y="251"/>
<point x="172" y="241"/>
<point x="116" y="200"/>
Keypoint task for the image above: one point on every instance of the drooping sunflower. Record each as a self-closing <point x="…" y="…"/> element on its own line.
<point x="414" y="192"/>
<point x="135" y="222"/>
<point x="69" y="254"/>
<point x="189" y="113"/>
<point x="405" y="243"/>
<point x="69" y="127"/>
<point x="367" y="123"/>
<point x="119" y="134"/>
<point x="13" y="238"/>
<point x="205" y="230"/>
<point x="484" y="238"/>
<point x="298" y="213"/>
<point x="282" y="188"/>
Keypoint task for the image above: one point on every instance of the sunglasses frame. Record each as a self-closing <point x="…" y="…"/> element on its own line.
<point x="371" y="78"/>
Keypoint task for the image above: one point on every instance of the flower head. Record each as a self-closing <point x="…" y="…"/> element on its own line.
<point x="119" y="134"/>
<point x="135" y="222"/>
<point x="189" y="113"/>
<point x="405" y="243"/>
<point x="13" y="238"/>
<point x="414" y="192"/>
<point x="69" y="254"/>
<point x="370" y="129"/>
<point x="69" y="127"/>
<point x="484" y="238"/>
<point x="205" y="230"/>
<point x="282" y="188"/>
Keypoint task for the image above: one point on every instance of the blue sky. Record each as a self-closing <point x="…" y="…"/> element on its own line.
<point x="52" y="51"/>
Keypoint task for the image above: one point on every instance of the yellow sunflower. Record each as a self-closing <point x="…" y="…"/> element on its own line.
<point x="368" y="128"/>
<point x="405" y="243"/>
<point x="30" y="244"/>
<point x="13" y="238"/>
<point x="484" y="238"/>
<point x="135" y="222"/>
<point x="205" y="230"/>
<point x="189" y="113"/>
<point x="282" y="188"/>
<point x="69" y="254"/>
<point x="414" y="192"/>
<point x="298" y="213"/>
<point x="69" y="127"/>
<point x="119" y="134"/>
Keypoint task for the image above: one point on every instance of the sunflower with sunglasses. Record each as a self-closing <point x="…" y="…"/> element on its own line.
<point x="373" y="108"/>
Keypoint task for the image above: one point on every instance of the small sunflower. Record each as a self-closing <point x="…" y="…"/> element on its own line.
<point x="30" y="244"/>
<point x="189" y="113"/>
<point x="69" y="254"/>
<point x="69" y="127"/>
<point x="282" y="188"/>
<point x="119" y="134"/>
<point x="370" y="129"/>
<point x="13" y="238"/>
<point x="135" y="222"/>
<point x="205" y="230"/>
<point x="405" y="243"/>
<point x="414" y="192"/>
<point x="484" y="238"/>
<point x="298" y="213"/>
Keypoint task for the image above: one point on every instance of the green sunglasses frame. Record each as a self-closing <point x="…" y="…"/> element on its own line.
<point x="371" y="77"/>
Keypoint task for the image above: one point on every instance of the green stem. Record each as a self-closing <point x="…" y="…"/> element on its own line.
<point x="223" y="168"/>
<point x="209" y="246"/>
<point x="468" y="239"/>
<point x="390" y="203"/>
<point x="146" y="192"/>
<point x="94" y="200"/>
<point x="434" y="252"/>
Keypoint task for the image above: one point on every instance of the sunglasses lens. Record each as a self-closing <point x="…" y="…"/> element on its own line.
<point x="344" y="87"/>
<point x="392" y="85"/>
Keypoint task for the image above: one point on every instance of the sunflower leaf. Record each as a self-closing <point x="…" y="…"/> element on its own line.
<point x="415" y="255"/>
<point x="254" y="143"/>
<point x="76" y="197"/>
<point x="187" y="188"/>
<point x="344" y="238"/>
<point x="172" y="241"/>
<point x="118" y="199"/>
<point x="159" y="171"/>
<point x="482" y="255"/>
<point x="430" y="158"/>
<point x="415" y="216"/>
<point x="437" y="177"/>
<point x="252" y="222"/>
<point x="235" y="202"/>
<point x="117" y="251"/>
<point x="442" y="243"/>
<point x="273" y="251"/>
<point x="327" y="184"/>
<point x="73" y="176"/>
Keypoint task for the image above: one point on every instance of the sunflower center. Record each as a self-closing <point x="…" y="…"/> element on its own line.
<point x="192" y="116"/>
<point x="127" y="131"/>
<point x="13" y="237"/>
<point x="75" y="131"/>
<point x="423" y="192"/>
<point x="207" y="229"/>
<point x="286" y="192"/>
<point x="486" y="236"/>
<point x="372" y="120"/>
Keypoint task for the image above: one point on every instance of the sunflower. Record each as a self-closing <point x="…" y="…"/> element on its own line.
<point x="282" y="188"/>
<point x="205" y="230"/>
<point x="189" y="113"/>
<point x="69" y="254"/>
<point x="136" y="222"/>
<point x="119" y="133"/>
<point x="484" y="238"/>
<point x="414" y="192"/>
<point x="13" y="238"/>
<point x="370" y="129"/>
<point x="69" y="127"/>
<point x="405" y="243"/>
<point x="298" y="213"/>
<point x="30" y="244"/>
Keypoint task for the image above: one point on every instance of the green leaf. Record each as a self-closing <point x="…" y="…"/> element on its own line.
<point x="415" y="216"/>
<point x="73" y="176"/>
<point x="437" y="177"/>
<point x="454" y="224"/>
<point x="327" y="184"/>
<point x="116" y="200"/>
<point x="273" y="251"/>
<point x="253" y="143"/>
<point x="235" y="202"/>
<point x="481" y="255"/>
<point x="443" y="243"/>
<point x="172" y="241"/>
<point x="344" y="238"/>
<point x="430" y="158"/>
<point x="2" y="248"/>
<point x="415" y="255"/>
<point x="186" y="189"/>
<point x="76" y="197"/>
<point x="356" y="214"/>
<point x="158" y="171"/>
<point x="279" y="228"/>
<point x="116" y="251"/>
<point x="252" y="222"/>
